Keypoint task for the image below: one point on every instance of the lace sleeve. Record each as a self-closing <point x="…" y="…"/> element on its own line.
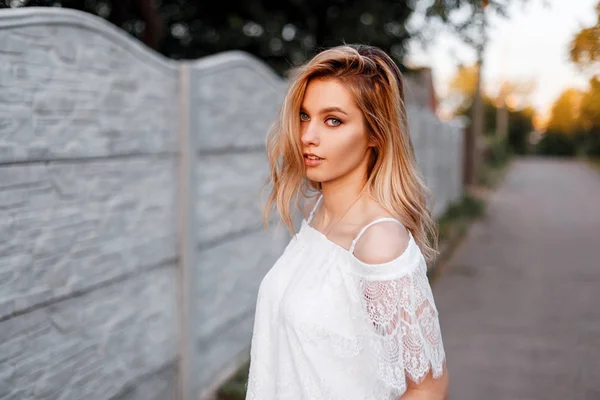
<point x="403" y="328"/>
<point x="407" y="341"/>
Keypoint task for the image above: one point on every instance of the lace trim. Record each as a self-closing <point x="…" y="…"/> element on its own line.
<point x="406" y="337"/>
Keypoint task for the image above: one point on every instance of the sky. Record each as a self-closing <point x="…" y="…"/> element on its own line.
<point x="530" y="45"/>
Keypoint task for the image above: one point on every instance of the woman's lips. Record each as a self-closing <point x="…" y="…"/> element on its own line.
<point x="310" y="162"/>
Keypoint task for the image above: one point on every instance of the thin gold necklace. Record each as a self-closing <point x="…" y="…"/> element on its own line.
<point x="345" y="212"/>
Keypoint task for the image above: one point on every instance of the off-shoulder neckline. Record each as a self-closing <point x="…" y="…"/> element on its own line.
<point x="405" y="253"/>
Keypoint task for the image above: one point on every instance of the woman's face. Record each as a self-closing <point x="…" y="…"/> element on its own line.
<point x="333" y="129"/>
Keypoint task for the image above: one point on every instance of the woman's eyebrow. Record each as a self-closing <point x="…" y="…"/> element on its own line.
<point x="330" y="109"/>
<point x="327" y="109"/>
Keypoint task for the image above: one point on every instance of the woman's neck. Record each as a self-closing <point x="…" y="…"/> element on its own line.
<point x="338" y="198"/>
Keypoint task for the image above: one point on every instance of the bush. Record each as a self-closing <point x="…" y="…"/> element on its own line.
<point x="591" y="143"/>
<point x="557" y="144"/>
<point x="519" y="127"/>
<point x="496" y="152"/>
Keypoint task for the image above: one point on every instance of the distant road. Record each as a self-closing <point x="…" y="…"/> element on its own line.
<point x="520" y="299"/>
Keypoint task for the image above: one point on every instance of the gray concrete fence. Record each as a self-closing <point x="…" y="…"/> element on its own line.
<point x="131" y="246"/>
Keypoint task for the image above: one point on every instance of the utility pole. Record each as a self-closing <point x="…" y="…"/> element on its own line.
<point x="502" y="113"/>
<point x="474" y="137"/>
<point x="501" y="110"/>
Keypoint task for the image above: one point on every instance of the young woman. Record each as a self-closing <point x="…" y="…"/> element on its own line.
<point x="347" y="311"/>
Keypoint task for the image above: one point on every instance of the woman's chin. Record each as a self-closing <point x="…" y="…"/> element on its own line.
<point x="314" y="176"/>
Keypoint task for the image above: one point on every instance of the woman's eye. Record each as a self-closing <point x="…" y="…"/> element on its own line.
<point x="303" y="117"/>
<point x="333" y="122"/>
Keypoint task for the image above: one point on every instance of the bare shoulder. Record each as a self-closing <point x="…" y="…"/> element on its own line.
<point x="382" y="242"/>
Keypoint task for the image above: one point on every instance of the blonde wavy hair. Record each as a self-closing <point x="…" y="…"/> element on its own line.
<point x="376" y="83"/>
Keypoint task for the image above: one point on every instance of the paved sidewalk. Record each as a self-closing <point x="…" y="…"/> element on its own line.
<point x="520" y="300"/>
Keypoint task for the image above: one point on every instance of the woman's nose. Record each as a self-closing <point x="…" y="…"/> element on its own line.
<point x="310" y="134"/>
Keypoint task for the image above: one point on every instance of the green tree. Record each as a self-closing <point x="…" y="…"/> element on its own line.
<point x="585" y="47"/>
<point x="463" y="86"/>
<point x="282" y="33"/>
<point x="585" y="53"/>
<point x="565" y="113"/>
<point x="590" y="118"/>
<point x="520" y="125"/>
<point x="557" y="144"/>
<point x="471" y="27"/>
<point x="590" y="106"/>
<point x="564" y="134"/>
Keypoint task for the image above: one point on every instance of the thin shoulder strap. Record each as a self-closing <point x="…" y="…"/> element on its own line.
<point x="384" y="219"/>
<point x="310" y="216"/>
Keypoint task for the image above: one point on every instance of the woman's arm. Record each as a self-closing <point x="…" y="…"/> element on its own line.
<point x="429" y="389"/>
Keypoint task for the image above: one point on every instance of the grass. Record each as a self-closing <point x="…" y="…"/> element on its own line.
<point x="594" y="161"/>
<point x="491" y="175"/>
<point x="454" y="223"/>
<point x="235" y="387"/>
<point x="452" y="226"/>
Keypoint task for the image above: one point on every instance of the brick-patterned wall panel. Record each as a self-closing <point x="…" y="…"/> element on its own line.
<point x="234" y="100"/>
<point x="438" y="146"/>
<point x="228" y="193"/>
<point x="228" y="278"/>
<point x="71" y="226"/>
<point x="94" y="346"/>
<point x="88" y="186"/>
<point x="74" y="86"/>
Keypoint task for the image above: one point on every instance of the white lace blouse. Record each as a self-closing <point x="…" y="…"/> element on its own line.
<point x="329" y="326"/>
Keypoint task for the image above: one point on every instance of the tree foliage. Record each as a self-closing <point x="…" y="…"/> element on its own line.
<point x="467" y="19"/>
<point x="585" y="47"/>
<point x="590" y="106"/>
<point x="564" y="116"/>
<point x="575" y="120"/>
<point x="463" y="85"/>
<point x="574" y="124"/>
<point x="520" y="125"/>
<point x="462" y="89"/>
<point x="282" y="33"/>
